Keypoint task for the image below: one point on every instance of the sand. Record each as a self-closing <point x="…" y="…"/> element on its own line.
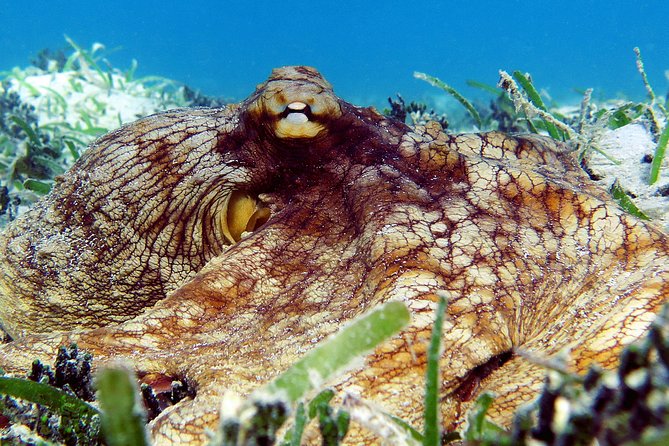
<point x="89" y="104"/>
<point x="628" y="145"/>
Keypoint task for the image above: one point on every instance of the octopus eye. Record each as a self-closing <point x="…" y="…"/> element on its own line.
<point x="242" y="213"/>
<point x="294" y="104"/>
<point x="297" y="121"/>
<point x="297" y="112"/>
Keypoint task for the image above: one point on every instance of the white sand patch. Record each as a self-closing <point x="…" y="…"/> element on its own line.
<point x="107" y="106"/>
<point x="628" y="145"/>
<point x="87" y="104"/>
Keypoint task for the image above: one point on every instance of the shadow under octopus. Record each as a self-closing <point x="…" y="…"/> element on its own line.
<point x="220" y="245"/>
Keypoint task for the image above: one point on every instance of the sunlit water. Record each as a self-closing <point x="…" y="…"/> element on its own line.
<point x="367" y="49"/>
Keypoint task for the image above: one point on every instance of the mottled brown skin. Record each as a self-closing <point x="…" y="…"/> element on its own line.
<point x="128" y="258"/>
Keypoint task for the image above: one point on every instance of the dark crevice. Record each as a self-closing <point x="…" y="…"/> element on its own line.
<point x="161" y="391"/>
<point x="663" y="191"/>
<point x="470" y="384"/>
<point x="591" y="174"/>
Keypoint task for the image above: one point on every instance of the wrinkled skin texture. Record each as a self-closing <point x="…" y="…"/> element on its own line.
<point x="128" y="256"/>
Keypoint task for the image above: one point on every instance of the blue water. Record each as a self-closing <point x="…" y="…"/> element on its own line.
<point x="367" y="49"/>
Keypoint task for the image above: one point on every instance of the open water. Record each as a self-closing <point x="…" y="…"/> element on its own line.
<point x="367" y="49"/>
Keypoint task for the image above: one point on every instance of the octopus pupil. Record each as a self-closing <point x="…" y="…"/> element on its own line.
<point x="306" y="110"/>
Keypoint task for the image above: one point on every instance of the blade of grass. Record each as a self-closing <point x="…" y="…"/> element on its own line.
<point x="92" y="131"/>
<point x="40" y="187"/>
<point x="72" y="148"/>
<point x="295" y="434"/>
<point x="69" y="63"/>
<point x="58" y="97"/>
<point x="156" y="79"/>
<point x="659" y="155"/>
<point x="123" y="417"/>
<point x="432" y="434"/>
<point x="56" y="125"/>
<point x="485" y="87"/>
<point x="76" y="85"/>
<point x="435" y="82"/>
<point x="605" y="155"/>
<point x="646" y="83"/>
<point x="333" y="427"/>
<point x="45" y="395"/>
<point x="626" y="202"/>
<point x="32" y="136"/>
<point x="130" y="73"/>
<point x="337" y="352"/>
<point x="535" y="98"/>
<point x="409" y="429"/>
<point x="531" y="126"/>
<point x="326" y="359"/>
<point x="91" y="63"/>
<point x="34" y="91"/>
<point x="624" y="115"/>
<point x="532" y="92"/>
<point x="322" y="398"/>
<point x="49" y="163"/>
<point x="479" y="428"/>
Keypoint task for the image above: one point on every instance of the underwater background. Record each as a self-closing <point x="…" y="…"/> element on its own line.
<point x="367" y="49"/>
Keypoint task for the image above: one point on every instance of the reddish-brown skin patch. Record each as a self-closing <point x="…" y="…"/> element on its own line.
<point x="127" y="256"/>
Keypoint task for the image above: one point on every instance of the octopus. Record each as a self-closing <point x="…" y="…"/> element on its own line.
<point x="220" y="245"/>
